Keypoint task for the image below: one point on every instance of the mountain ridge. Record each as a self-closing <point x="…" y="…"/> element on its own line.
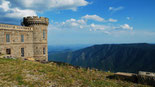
<point x="112" y="57"/>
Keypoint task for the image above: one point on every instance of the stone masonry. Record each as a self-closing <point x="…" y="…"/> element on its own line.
<point x="26" y="41"/>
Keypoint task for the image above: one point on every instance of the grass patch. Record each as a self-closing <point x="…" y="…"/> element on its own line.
<point x="34" y="74"/>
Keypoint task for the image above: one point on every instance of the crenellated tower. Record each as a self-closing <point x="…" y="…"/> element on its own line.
<point x="39" y="25"/>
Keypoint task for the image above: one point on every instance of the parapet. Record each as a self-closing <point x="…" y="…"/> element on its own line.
<point x="15" y="27"/>
<point x="35" y="20"/>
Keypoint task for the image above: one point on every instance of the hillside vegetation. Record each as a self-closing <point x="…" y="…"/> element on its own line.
<point x="112" y="57"/>
<point x="19" y="73"/>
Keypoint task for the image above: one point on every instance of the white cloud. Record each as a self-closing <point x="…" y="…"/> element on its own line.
<point x="107" y="28"/>
<point x="15" y="12"/>
<point x="98" y="18"/>
<point x="93" y="17"/>
<point x="16" y="9"/>
<point x="126" y="26"/>
<point x="49" y="4"/>
<point x="71" y="20"/>
<point x="81" y="21"/>
<point x="92" y="25"/>
<point x="112" y="20"/>
<point x="80" y="24"/>
<point x="74" y="24"/>
<point x="114" y="9"/>
<point x="99" y="27"/>
<point x="128" y="18"/>
<point x="5" y="5"/>
<point x="18" y="13"/>
<point x="71" y="24"/>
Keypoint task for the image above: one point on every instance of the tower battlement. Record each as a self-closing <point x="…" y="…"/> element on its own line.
<point x="35" y="20"/>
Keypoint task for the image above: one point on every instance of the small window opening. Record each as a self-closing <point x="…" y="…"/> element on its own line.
<point x="44" y="50"/>
<point x="22" y="38"/>
<point x="8" y="51"/>
<point x="44" y="34"/>
<point x="22" y="52"/>
<point x="7" y="37"/>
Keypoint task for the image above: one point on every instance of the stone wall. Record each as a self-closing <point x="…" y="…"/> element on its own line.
<point x="16" y="50"/>
<point x="147" y="78"/>
<point x="34" y="44"/>
<point x="15" y="43"/>
<point x="39" y="25"/>
<point x="40" y="42"/>
<point x="35" y="20"/>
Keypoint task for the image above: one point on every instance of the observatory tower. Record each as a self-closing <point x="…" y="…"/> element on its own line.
<point x="39" y="25"/>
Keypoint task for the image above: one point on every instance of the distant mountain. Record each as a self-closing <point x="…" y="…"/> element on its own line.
<point x="67" y="47"/>
<point x="112" y="57"/>
<point x="53" y="49"/>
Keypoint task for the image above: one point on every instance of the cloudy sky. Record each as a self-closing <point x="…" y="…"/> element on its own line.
<point x="87" y="21"/>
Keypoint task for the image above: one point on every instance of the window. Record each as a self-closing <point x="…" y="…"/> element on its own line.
<point x="44" y="50"/>
<point x="44" y="33"/>
<point x="7" y="37"/>
<point x="8" y="51"/>
<point x="22" y="52"/>
<point x="22" y="38"/>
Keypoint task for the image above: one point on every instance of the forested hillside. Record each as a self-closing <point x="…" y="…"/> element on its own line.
<point x="112" y="57"/>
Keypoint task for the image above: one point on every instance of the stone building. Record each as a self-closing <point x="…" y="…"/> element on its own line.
<point x="26" y="41"/>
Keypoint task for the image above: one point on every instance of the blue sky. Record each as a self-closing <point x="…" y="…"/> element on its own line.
<point x="87" y="21"/>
